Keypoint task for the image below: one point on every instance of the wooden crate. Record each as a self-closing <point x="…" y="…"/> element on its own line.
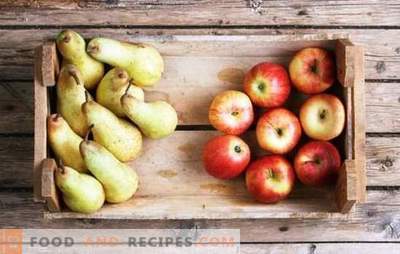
<point x="173" y="184"/>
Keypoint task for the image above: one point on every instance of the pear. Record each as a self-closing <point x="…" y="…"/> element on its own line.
<point x="111" y="89"/>
<point x="65" y="142"/>
<point x="70" y="96"/>
<point x="73" y="49"/>
<point x="143" y="63"/>
<point x="81" y="192"/>
<point x="156" y="119"/>
<point x="120" y="181"/>
<point x="117" y="135"/>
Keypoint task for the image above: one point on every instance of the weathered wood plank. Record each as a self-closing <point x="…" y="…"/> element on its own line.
<point x="16" y="52"/>
<point x="321" y="248"/>
<point x="16" y="102"/>
<point x="16" y="107"/>
<point x="16" y="154"/>
<point x="376" y="220"/>
<point x="203" y="12"/>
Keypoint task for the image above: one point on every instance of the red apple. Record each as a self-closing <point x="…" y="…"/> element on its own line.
<point x="270" y="179"/>
<point x="225" y="157"/>
<point x="267" y="85"/>
<point x="278" y="131"/>
<point x="317" y="162"/>
<point x="312" y="70"/>
<point x="322" y="117"/>
<point x="231" y="112"/>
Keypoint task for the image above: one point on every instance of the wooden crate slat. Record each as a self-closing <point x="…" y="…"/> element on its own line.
<point x="201" y="13"/>
<point x="40" y="137"/>
<point x="382" y="61"/>
<point x="48" y="187"/>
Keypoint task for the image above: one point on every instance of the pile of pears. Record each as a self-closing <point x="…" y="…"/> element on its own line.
<point x="113" y="109"/>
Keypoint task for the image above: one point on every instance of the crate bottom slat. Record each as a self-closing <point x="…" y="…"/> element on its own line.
<point x="209" y="207"/>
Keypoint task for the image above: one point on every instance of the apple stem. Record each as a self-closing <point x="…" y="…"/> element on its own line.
<point x="237" y="149"/>
<point x="322" y="114"/>
<point x="270" y="174"/>
<point x="314" y="67"/>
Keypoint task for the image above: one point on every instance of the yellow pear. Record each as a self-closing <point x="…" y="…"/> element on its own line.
<point x="156" y="119"/>
<point x="111" y="89"/>
<point x="70" y="96"/>
<point x="143" y="63"/>
<point x="81" y="192"/>
<point x="120" y="181"/>
<point x="73" y="49"/>
<point x="117" y="135"/>
<point x="65" y="142"/>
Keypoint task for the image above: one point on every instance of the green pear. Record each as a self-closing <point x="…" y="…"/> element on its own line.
<point x="117" y="135"/>
<point x="120" y="181"/>
<point x="73" y="49"/>
<point x="70" y="96"/>
<point x="156" y="119"/>
<point x="111" y="89"/>
<point x="143" y="63"/>
<point x="81" y="192"/>
<point x="65" y="142"/>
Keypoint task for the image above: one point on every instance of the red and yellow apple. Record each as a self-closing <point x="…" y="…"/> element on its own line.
<point x="317" y="163"/>
<point x="312" y="70"/>
<point x="322" y="117"/>
<point x="278" y="131"/>
<point x="270" y="179"/>
<point x="225" y="157"/>
<point x="267" y="85"/>
<point x="231" y="112"/>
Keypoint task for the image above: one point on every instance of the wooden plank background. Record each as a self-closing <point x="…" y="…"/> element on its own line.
<point x="24" y="24"/>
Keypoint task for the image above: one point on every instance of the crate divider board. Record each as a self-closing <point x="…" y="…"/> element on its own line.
<point x="173" y="184"/>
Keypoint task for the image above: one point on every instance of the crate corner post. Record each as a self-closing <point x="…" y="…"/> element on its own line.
<point x="45" y="72"/>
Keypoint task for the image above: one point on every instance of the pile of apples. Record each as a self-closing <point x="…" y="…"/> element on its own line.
<point x="268" y="86"/>
<point x="111" y="107"/>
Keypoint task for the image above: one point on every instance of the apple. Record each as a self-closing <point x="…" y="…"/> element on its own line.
<point x="316" y="163"/>
<point x="322" y="117"/>
<point x="312" y="70"/>
<point x="226" y="157"/>
<point x="231" y="112"/>
<point x="270" y="179"/>
<point x="278" y="131"/>
<point x="267" y="85"/>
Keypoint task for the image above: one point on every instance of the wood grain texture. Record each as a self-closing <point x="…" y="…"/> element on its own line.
<point x="16" y="156"/>
<point x="48" y="187"/>
<point x="16" y="54"/>
<point x="345" y="192"/>
<point x="200" y="13"/>
<point x="16" y="106"/>
<point x="320" y="248"/>
<point x="40" y="116"/>
<point x="360" y="121"/>
<point x="376" y="220"/>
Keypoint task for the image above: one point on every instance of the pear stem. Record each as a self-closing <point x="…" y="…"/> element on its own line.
<point x="93" y="48"/>
<point x="62" y="167"/>
<point x="74" y="75"/>
<point x="129" y="86"/>
<point x="88" y="133"/>
<point x="66" y="38"/>
<point x="87" y="96"/>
